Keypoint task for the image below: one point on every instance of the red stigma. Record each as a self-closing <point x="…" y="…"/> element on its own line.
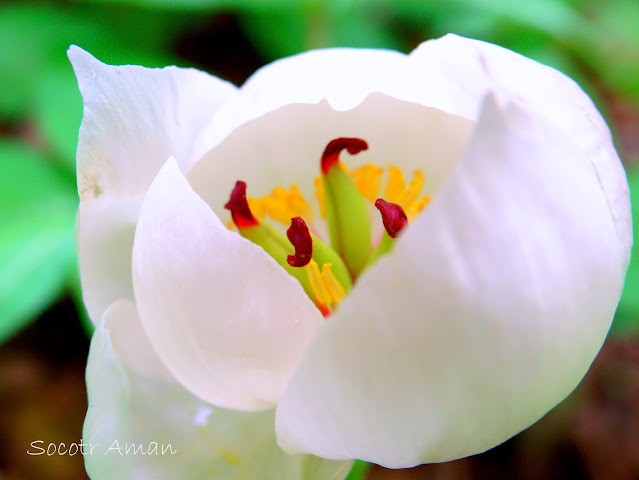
<point x="300" y="237"/>
<point x="393" y="216"/>
<point x="331" y="153"/>
<point x="239" y="207"/>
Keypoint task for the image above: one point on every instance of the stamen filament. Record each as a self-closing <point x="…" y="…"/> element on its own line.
<point x="319" y="195"/>
<point x="320" y="291"/>
<point x="326" y="290"/>
<point x="332" y="285"/>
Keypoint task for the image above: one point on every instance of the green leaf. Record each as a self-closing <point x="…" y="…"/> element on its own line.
<point x="276" y="33"/>
<point x="34" y="39"/>
<point x="366" y="28"/>
<point x="37" y="208"/>
<point x="211" y="5"/>
<point x="627" y="318"/>
<point x="58" y="112"/>
<point x="359" y="471"/>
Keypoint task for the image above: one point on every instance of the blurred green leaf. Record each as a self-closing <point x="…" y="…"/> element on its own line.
<point x="366" y="28"/>
<point x="58" y="112"/>
<point x="628" y="313"/>
<point x="34" y="38"/>
<point x="611" y="47"/>
<point x="37" y="212"/>
<point x="214" y="5"/>
<point x="280" y="32"/>
<point x="359" y="470"/>
<point x="275" y="33"/>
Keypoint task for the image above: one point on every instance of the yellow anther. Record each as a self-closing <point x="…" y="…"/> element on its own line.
<point x="282" y="205"/>
<point x="332" y="285"/>
<point x="320" y="291"/>
<point x="408" y="197"/>
<point x="257" y="207"/>
<point x="230" y="224"/>
<point x="368" y="180"/>
<point x="276" y="206"/>
<point x="327" y="290"/>
<point x="395" y="186"/>
<point x="415" y="186"/>
<point x="319" y="194"/>
<point x="299" y="204"/>
<point x="413" y="209"/>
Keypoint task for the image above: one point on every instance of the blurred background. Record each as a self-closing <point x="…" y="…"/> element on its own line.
<point x="44" y="333"/>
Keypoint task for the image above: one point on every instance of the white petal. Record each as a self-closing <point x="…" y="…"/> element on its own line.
<point x="105" y="230"/>
<point x="465" y="69"/>
<point x="342" y="76"/>
<point x="226" y="319"/>
<point x="134" y="401"/>
<point x="487" y="314"/>
<point x="135" y="118"/>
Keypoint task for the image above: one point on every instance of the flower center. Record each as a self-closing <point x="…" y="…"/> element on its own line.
<point x="327" y="272"/>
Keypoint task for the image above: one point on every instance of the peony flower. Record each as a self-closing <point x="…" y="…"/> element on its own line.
<point x="229" y="326"/>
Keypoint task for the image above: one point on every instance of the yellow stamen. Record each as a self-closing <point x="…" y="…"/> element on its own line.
<point x="414" y="208"/>
<point x="257" y="207"/>
<point x="368" y="180"/>
<point x="332" y="285"/>
<point x="413" y="189"/>
<point x="299" y="204"/>
<point x="281" y="205"/>
<point x="320" y="291"/>
<point x="395" y="186"/>
<point x="408" y="197"/>
<point x="319" y="194"/>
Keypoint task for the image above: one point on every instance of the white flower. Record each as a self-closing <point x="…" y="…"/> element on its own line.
<point x="487" y="312"/>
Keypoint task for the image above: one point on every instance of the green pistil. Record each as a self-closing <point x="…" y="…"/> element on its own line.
<point x="322" y="254"/>
<point x="261" y="233"/>
<point x="346" y="212"/>
<point x="277" y="246"/>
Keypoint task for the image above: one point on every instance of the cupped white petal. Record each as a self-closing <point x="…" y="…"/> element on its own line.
<point x="284" y="147"/>
<point x="466" y="69"/>
<point x="141" y="424"/>
<point x="344" y="78"/>
<point x="227" y="320"/>
<point x="341" y="76"/>
<point x="486" y="315"/>
<point x="134" y="119"/>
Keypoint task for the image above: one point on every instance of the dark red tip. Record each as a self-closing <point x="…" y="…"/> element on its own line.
<point x="331" y="153"/>
<point x="239" y="207"/>
<point x="393" y="216"/>
<point x="300" y="237"/>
